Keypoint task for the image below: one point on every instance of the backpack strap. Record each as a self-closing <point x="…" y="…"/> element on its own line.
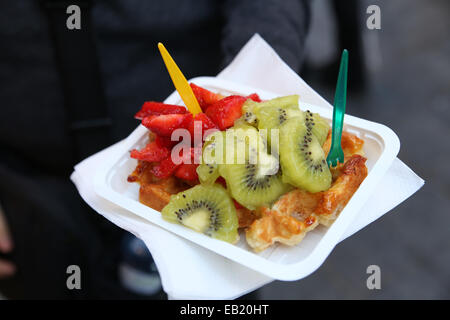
<point x="88" y="122"/>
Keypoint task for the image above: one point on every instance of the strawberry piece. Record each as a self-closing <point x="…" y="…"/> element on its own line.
<point x="152" y="152"/>
<point x="151" y="108"/>
<point x="222" y="181"/>
<point x="193" y="156"/>
<point x="224" y="112"/>
<point x="205" y="97"/>
<point x="165" y="124"/>
<point x="187" y="171"/>
<point x="237" y="205"/>
<point x="165" y="168"/>
<point x="165" y="142"/>
<point x="254" y="97"/>
<point x="206" y="124"/>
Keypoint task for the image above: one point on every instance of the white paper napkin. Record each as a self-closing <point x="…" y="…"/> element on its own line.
<point x="189" y="271"/>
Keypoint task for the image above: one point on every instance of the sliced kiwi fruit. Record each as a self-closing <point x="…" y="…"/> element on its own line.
<point x="231" y="146"/>
<point x="221" y="144"/>
<point x="285" y="101"/>
<point x="250" y="107"/>
<point x="205" y="209"/>
<point x="270" y="118"/>
<point x="253" y="176"/>
<point x="241" y="122"/>
<point x="208" y="173"/>
<point x="302" y="159"/>
<point x="213" y="153"/>
<point x="272" y="113"/>
<point x="318" y="126"/>
<point x="248" y="137"/>
<point x="254" y="184"/>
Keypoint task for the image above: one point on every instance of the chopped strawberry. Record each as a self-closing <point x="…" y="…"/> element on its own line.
<point x="164" y="142"/>
<point x="152" y="152"/>
<point x="222" y="181"/>
<point x="187" y="171"/>
<point x="193" y="157"/>
<point x="237" y="205"/>
<point x="224" y="112"/>
<point x="151" y="108"/>
<point x="205" y="97"/>
<point x="206" y="124"/>
<point x="254" y="97"/>
<point x="165" y="124"/>
<point x="165" y="168"/>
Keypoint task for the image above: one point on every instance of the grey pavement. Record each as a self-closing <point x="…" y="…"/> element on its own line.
<point x="409" y="92"/>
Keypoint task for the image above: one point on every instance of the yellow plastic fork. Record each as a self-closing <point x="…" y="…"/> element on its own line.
<point x="180" y="82"/>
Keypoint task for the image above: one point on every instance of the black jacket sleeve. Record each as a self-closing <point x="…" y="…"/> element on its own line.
<point x="283" y="24"/>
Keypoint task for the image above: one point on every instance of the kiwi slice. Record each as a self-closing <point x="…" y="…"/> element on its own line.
<point x="205" y="209"/>
<point x="221" y="144"/>
<point x="253" y="176"/>
<point x="250" y="107"/>
<point x="255" y="183"/>
<point x="245" y="141"/>
<point x="271" y="117"/>
<point x="302" y="158"/>
<point x="241" y="122"/>
<point x="318" y="126"/>
<point x="207" y="173"/>
<point x="248" y="115"/>
<point x="213" y="153"/>
<point x="291" y="100"/>
<point x="244" y="133"/>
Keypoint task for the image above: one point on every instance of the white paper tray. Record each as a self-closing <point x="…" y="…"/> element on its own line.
<point x="280" y="262"/>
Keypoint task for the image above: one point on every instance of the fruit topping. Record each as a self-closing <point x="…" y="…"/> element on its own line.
<point x="205" y="209"/>
<point x="204" y="123"/>
<point x="152" y="152"/>
<point x="205" y="97"/>
<point x="151" y="108"/>
<point x="302" y="158"/>
<point x="164" y="125"/>
<point x="224" y="112"/>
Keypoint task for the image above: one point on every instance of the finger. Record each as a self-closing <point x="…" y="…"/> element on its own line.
<point x="6" y="269"/>
<point x="6" y="244"/>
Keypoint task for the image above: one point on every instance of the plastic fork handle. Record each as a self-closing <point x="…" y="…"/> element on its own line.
<point x="340" y="99"/>
<point x="180" y="82"/>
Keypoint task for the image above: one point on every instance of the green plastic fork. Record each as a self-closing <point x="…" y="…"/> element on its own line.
<point x="336" y="153"/>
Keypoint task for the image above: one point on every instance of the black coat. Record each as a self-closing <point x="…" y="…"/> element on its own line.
<point x="51" y="226"/>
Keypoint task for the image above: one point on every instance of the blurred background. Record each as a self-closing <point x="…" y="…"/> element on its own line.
<point x="401" y="78"/>
<point x="408" y="89"/>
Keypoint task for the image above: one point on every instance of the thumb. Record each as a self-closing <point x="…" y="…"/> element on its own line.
<point x="6" y="269"/>
<point x="6" y="244"/>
